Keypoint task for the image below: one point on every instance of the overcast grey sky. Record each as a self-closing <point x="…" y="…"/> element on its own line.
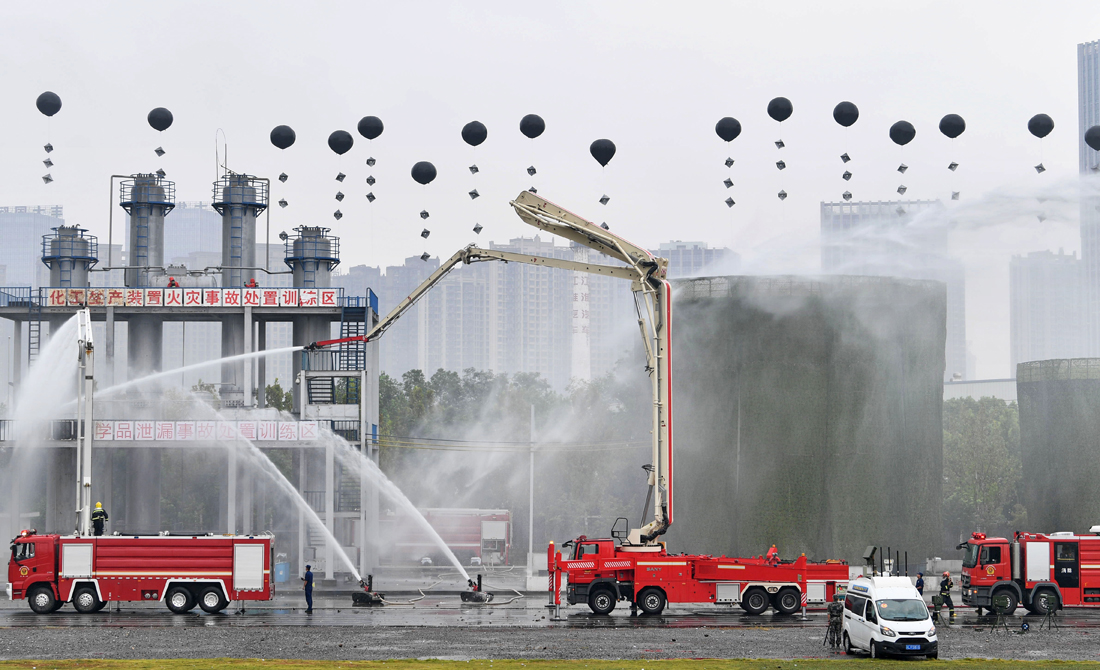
<point x="654" y="77"/>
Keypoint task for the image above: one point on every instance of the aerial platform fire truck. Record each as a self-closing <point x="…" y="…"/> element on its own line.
<point x="1035" y="570"/>
<point x="634" y="565"/>
<point x="91" y="571"/>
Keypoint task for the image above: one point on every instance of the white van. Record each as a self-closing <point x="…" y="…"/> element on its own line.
<point x="886" y="615"/>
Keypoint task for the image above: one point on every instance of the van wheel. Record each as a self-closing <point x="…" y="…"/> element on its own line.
<point x="42" y="600"/>
<point x="602" y="602"/>
<point x="179" y="600"/>
<point x="755" y="601"/>
<point x="788" y="601"/>
<point x="85" y="600"/>
<point x="875" y="653"/>
<point x="934" y="656"/>
<point x="848" y="648"/>
<point x="652" y="601"/>
<point x="212" y="601"/>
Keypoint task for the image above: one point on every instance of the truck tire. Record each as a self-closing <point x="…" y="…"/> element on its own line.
<point x="1037" y="601"/>
<point x="212" y="601"/>
<point x="788" y="600"/>
<point x="179" y="600"/>
<point x="651" y="600"/>
<point x="42" y="600"/>
<point x="602" y="601"/>
<point x="1013" y="602"/>
<point x="755" y="600"/>
<point x="85" y="600"/>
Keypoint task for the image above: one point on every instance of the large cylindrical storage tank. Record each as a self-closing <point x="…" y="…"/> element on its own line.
<point x="70" y="255"/>
<point x="312" y="255"/>
<point x="1060" y="443"/>
<point x="147" y="198"/>
<point x="808" y="414"/>
<point x="239" y="198"/>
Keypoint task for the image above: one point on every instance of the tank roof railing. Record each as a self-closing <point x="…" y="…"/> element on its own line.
<point x="149" y="186"/>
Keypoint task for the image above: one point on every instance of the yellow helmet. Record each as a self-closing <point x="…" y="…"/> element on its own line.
<point x="99" y="505"/>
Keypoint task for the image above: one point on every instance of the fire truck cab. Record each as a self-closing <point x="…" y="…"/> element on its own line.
<point x="1062" y="569"/>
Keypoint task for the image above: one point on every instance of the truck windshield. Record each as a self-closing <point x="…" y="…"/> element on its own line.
<point x="22" y="551"/>
<point x="971" y="558"/>
<point x="902" y="610"/>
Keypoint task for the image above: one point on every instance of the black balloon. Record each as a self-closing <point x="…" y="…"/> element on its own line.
<point x="603" y="151"/>
<point x="340" y="141"/>
<point x="474" y="133"/>
<point x="902" y="132"/>
<point x="1040" y="125"/>
<point x="780" y="109"/>
<point x="532" y="125"/>
<point x="370" y="127"/>
<point x="728" y="128"/>
<point x="160" y="118"/>
<point x="282" y="136"/>
<point x="845" y="113"/>
<point x="952" y="125"/>
<point x="423" y="172"/>
<point x="49" y="103"/>
<point x="1092" y="137"/>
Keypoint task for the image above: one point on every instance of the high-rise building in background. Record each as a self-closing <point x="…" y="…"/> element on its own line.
<point x="1088" y="115"/>
<point x="898" y="238"/>
<point x="22" y="229"/>
<point x="192" y="227"/>
<point x="1046" y="307"/>
<point x="690" y="259"/>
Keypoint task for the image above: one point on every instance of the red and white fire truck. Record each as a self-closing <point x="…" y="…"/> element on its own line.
<point x="635" y="566"/>
<point x="602" y="572"/>
<point x="90" y="571"/>
<point x="1063" y="567"/>
<point x="180" y="571"/>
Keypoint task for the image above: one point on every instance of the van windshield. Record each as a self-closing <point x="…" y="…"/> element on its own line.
<point x="902" y="610"/>
<point x="971" y="558"/>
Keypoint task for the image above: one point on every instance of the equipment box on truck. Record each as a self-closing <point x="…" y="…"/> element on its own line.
<point x="180" y="571"/>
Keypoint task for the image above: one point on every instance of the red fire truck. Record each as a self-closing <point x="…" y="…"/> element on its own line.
<point x="1063" y="567"/>
<point x="180" y="571"/>
<point x="602" y="572"/>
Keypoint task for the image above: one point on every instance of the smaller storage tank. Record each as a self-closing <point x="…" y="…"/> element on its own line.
<point x="312" y="255"/>
<point x="69" y="254"/>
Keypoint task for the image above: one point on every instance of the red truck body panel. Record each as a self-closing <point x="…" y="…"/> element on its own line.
<point x="135" y="568"/>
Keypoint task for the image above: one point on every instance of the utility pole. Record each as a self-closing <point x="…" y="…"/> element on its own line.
<point x="531" y="497"/>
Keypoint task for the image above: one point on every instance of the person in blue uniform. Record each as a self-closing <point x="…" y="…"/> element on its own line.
<point x="308" y="586"/>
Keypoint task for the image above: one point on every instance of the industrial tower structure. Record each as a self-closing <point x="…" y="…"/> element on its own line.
<point x="335" y="393"/>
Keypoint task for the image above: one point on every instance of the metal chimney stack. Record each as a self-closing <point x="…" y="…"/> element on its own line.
<point x="312" y="255"/>
<point x="69" y="254"/>
<point x="240" y="199"/>
<point x="147" y="198"/>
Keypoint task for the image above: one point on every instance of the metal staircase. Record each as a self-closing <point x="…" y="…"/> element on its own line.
<point x="34" y="326"/>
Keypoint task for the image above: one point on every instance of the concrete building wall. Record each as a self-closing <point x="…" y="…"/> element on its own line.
<point x="808" y="414"/>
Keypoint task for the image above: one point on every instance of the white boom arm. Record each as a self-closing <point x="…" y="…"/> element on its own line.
<point x="652" y="297"/>
<point x="85" y="429"/>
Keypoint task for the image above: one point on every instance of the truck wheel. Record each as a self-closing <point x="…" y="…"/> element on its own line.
<point x="1037" y="602"/>
<point x="788" y="601"/>
<point x="179" y="600"/>
<point x="602" y="601"/>
<point x="212" y="601"/>
<point x="42" y="600"/>
<point x="1012" y="601"/>
<point x="85" y="600"/>
<point x="755" y="601"/>
<point x="651" y="600"/>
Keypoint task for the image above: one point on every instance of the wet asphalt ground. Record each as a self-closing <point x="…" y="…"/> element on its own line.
<point x="440" y="626"/>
